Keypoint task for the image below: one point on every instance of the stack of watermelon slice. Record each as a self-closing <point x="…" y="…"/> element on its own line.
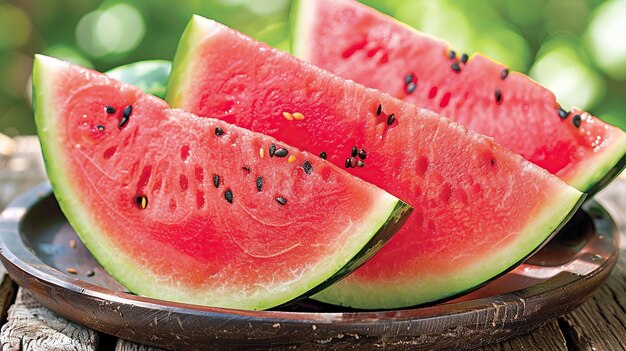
<point x="298" y="176"/>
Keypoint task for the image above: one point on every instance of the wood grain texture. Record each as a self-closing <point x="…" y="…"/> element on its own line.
<point x="7" y="294"/>
<point x="548" y="337"/>
<point x="600" y="323"/>
<point x="125" y="345"/>
<point x="31" y="326"/>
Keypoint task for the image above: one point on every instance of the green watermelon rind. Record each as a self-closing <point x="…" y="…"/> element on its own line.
<point x="184" y="64"/>
<point x="391" y="225"/>
<point x="590" y="176"/>
<point x="549" y="220"/>
<point x="377" y="227"/>
<point x="151" y="76"/>
<point x="596" y="173"/>
<point x="298" y="25"/>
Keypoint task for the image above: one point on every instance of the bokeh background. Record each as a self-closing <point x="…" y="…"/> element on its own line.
<point x="575" y="47"/>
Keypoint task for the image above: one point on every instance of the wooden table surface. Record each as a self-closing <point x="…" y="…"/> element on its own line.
<point x="599" y="324"/>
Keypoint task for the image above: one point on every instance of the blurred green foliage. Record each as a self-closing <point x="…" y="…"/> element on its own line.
<point x="575" y="47"/>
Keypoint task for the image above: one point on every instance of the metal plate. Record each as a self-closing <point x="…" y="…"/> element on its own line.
<point x="35" y="243"/>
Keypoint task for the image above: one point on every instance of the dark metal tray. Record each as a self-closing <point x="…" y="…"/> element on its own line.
<point x="35" y="245"/>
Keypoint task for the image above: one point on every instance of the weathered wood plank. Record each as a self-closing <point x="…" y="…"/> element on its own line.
<point x="31" y="326"/>
<point x="7" y="293"/>
<point x="600" y="323"/>
<point x="125" y="345"/>
<point x="548" y="337"/>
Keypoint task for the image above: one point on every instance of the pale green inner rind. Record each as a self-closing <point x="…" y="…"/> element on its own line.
<point x="303" y="13"/>
<point x="591" y="170"/>
<point x="124" y="267"/>
<point x="198" y="29"/>
<point x="411" y="291"/>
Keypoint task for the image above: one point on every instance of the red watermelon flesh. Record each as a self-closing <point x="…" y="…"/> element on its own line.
<point x="479" y="208"/>
<point x="195" y="210"/>
<point x="359" y="43"/>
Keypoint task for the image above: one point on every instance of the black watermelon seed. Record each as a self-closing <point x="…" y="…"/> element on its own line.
<point x="100" y="127"/>
<point x="123" y="122"/>
<point x="246" y="168"/>
<point x="282" y="152"/>
<point x="409" y="78"/>
<point x="451" y="54"/>
<point x="360" y="163"/>
<point x="219" y="131"/>
<point x="379" y="110"/>
<point x="90" y="273"/>
<point x="493" y="162"/>
<point x="504" y="73"/>
<point x="127" y="111"/>
<point x="455" y="67"/>
<point x="410" y="88"/>
<point x="576" y="120"/>
<point x="464" y="58"/>
<point x="354" y="151"/>
<point x="362" y="154"/>
<point x="498" y="95"/>
<point x="110" y="109"/>
<point x="323" y="155"/>
<point x="272" y="150"/>
<point x="281" y="200"/>
<point x="348" y="162"/>
<point x="391" y="118"/>
<point x="216" y="180"/>
<point x="141" y="201"/>
<point x="228" y="195"/>
<point x="307" y="166"/>
<point x="259" y="183"/>
<point x="562" y="113"/>
<point x="125" y="116"/>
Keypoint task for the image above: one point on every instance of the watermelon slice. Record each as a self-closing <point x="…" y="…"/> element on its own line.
<point x="479" y="208"/>
<point x="359" y="43"/>
<point x="192" y="209"/>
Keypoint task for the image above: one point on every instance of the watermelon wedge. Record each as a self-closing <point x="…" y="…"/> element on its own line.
<point x="192" y="209"/>
<point x="479" y="208"/>
<point x="361" y="44"/>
